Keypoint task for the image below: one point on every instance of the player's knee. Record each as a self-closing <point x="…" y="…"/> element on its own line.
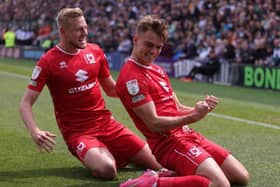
<point x="106" y="171"/>
<point x="222" y="183"/>
<point x="244" y="178"/>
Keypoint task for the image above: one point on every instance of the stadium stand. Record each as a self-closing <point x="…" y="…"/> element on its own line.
<point x="243" y="33"/>
<point x="194" y="24"/>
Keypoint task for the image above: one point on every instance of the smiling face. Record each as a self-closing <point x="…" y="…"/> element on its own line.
<point x="74" y="34"/>
<point x="73" y="29"/>
<point x="151" y="34"/>
<point x="147" y="47"/>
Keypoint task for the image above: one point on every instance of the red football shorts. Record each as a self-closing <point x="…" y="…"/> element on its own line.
<point x="185" y="151"/>
<point x="122" y="143"/>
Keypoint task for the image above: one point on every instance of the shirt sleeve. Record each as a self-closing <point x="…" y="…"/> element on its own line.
<point x="104" y="67"/>
<point x="39" y="76"/>
<point x="134" y="92"/>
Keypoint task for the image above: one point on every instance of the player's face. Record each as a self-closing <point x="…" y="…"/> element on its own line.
<point x="147" y="47"/>
<point x="76" y="34"/>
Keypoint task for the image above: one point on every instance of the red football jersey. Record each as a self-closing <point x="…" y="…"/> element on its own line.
<point x="138" y="84"/>
<point x="72" y="80"/>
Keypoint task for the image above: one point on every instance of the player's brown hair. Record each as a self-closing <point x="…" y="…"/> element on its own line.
<point x="152" y="23"/>
<point x="65" y="15"/>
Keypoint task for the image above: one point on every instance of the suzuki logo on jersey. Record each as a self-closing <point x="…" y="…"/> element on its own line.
<point x="81" y="75"/>
<point x="164" y="86"/>
<point x="90" y="58"/>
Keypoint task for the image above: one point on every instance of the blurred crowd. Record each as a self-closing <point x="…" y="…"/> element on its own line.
<point x="238" y="31"/>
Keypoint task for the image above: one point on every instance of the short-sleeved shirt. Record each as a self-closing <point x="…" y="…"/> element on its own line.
<point x="72" y="80"/>
<point x="138" y="84"/>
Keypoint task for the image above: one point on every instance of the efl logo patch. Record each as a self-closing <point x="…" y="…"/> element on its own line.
<point x="36" y="72"/>
<point x="132" y="87"/>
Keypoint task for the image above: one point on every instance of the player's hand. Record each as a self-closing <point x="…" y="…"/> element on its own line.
<point x="212" y="101"/>
<point x="44" y="140"/>
<point x="200" y="110"/>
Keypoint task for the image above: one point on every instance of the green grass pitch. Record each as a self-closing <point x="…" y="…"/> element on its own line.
<point x="246" y="121"/>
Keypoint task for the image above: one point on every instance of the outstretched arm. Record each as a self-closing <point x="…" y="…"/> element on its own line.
<point x="43" y="139"/>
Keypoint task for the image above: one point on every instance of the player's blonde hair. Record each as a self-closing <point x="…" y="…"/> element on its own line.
<point x="65" y="16"/>
<point x="152" y="23"/>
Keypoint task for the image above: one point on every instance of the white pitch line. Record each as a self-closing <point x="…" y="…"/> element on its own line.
<point x="14" y="75"/>
<point x="212" y="114"/>
<point x="245" y="121"/>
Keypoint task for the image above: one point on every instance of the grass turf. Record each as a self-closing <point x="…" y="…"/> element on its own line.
<point x="23" y="165"/>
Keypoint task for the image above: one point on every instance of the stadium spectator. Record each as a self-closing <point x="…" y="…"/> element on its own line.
<point x="209" y="68"/>
<point x="125" y="44"/>
<point x="145" y="91"/>
<point x="244" y="54"/>
<point x="260" y="49"/>
<point x="9" y="38"/>
<point x="74" y="70"/>
<point x="276" y="53"/>
<point x="3" y="30"/>
<point x="24" y="36"/>
<point x="229" y="53"/>
<point x="43" y="33"/>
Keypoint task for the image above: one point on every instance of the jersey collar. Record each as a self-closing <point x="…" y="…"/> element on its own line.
<point x="63" y="51"/>
<point x="138" y="64"/>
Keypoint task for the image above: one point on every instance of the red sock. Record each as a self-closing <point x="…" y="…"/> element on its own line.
<point x="183" y="181"/>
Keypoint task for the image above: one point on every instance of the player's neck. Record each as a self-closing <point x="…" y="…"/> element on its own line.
<point x="139" y="60"/>
<point x="68" y="49"/>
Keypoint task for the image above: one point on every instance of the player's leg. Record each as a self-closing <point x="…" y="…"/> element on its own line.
<point x="148" y="179"/>
<point x="151" y="178"/>
<point x="146" y="159"/>
<point x="183" y="181"/>
<point x="186" y="158"/>
<point x="232" y="168"/>
<point x="235" y="171"/>
<point x="94" y="155"/>
<point x="127" y="147"/>
<point x="101" y="163"/>
<point x="210" y="169"/>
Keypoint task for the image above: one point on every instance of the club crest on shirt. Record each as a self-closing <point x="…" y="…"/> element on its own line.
<point x="132" y="87"/>
<point x="36" y="72"/>
<point x="90" y="58"/>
